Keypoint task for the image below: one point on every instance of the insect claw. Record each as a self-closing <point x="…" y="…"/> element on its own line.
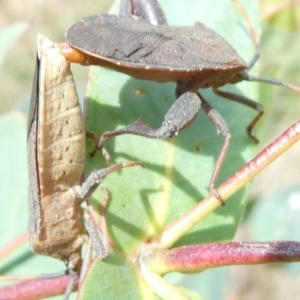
<point x="92" y="154"/>
<point x="251" y="135"/>
<point x="105" y="199"/>
<point x="105" y="155"/>
<point x="215" y="192"/>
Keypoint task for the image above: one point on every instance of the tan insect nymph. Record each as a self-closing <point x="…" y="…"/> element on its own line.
<point x="56" y="154"/>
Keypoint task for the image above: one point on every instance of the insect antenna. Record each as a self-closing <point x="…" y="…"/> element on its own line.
<point x="256" y="55"/>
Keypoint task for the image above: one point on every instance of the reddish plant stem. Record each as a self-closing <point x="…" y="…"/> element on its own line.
<point x="35" y="289"/>
<point x="195" y="258"/>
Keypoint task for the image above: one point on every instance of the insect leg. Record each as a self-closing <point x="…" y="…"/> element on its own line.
<point x="149" y="10"/>
<point x="181" y="114"/>
<point x="97" y="176"/>
<point x="245" y="101"/>
<point x="222" y="128"/>
<point x="86" y="263"/>
<point x="98" y="236"/>
<point x="99" y="243"/>
<point x="71" y="284"/>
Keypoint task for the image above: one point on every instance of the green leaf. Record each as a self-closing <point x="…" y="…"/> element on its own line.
<point x="177" y="171"/>
<point x="128" y="283"/>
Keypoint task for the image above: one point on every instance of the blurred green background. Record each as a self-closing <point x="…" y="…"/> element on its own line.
<point x="275" y="198"/>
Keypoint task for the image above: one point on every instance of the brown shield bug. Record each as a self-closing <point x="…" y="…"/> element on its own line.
<point x="56" y="155"/>
<point x="193" y="57"/>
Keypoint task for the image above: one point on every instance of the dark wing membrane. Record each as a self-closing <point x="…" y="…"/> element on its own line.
<point x="114" y="37"/>
<point x="34" y="96"/>
<point x="34" y="216"/>
<point x="138" y="43"/>
<point x="197" y="48"/>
